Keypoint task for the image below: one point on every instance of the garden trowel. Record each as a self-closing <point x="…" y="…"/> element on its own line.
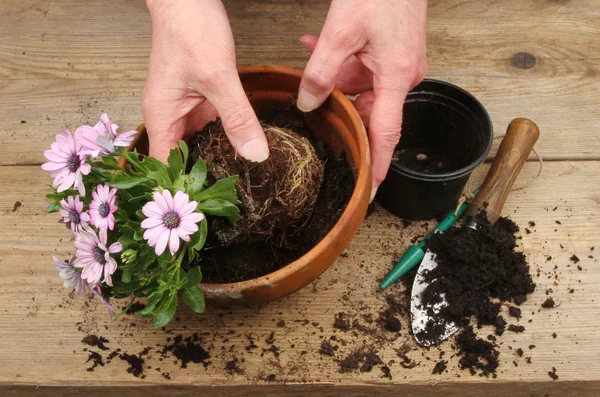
<point x="429" y="328"/>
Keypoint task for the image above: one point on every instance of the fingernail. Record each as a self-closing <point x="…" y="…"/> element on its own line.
<point x="306" y="101"/>
<point x="373" y="193"/>
<point x="256" y="150"/>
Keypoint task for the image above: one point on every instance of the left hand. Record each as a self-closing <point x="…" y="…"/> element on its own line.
<point x="375" y="49"/>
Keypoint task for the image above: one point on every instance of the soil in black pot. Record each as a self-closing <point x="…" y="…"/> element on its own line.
<point x="426" y="160"/>
<point x="230" y="256"/>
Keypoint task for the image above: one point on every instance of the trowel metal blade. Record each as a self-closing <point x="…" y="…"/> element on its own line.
<point x="429" y="329"/>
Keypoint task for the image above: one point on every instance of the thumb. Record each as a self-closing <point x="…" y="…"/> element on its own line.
<point x="239" y="120"/>
<point x="323" y="68"/>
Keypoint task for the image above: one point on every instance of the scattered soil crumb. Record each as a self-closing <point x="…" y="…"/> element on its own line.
<point x="16" y="206"/>
<point x="476" y="354"/>
<point x="96" y="360"/>
<point x="553" y="374"/>
<point x="136" y="363"/>
<point x="233" y="367"/>
<point x="188" y="350"/>
<point x="327" y="348"/>
<point x="362" y="359"/>
<point x="514" y="312"/>
<point x="393" y="324"/>
<point x="548" y="303"/>
<point x="98" y="341"/>
<point x="440" y="367"/>
<point x="516" y="328"/>
<point x="386" y="372"/>
<point x="574" y="258"/>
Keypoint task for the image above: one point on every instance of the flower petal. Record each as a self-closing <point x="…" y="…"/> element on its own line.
<point x="161" y="244"/>
<point x="169" y="199"/>
<point x="52" y="166"/>
<point x="160" y="200"/>
<point x="151" y="222"/>
<point x="152" y="210"/>
<point x="115" y="247"/>
<point x="188" y="208"/>
<point x="67" y="182"/>
<point x="194" y="217"/>
<point x="173" y="242"/>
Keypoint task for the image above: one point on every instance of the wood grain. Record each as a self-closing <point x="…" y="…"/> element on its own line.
<point x="63" y="63"/>
<point x="42" y="325"/>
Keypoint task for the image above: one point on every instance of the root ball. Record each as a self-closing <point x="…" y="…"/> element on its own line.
<point x="277" y="195"/>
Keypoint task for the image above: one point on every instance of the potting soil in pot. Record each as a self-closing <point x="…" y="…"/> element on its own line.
<point x="289" y="202"/>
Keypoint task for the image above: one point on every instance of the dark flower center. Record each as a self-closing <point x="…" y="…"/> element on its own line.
<point x="171" y="220"/>
<point x="73" y="163"/>
<point x="74" y="217"/>
<point x="104" y="210"/>
<point x="99" y="255"/>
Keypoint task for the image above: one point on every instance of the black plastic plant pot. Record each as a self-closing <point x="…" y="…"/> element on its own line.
<point x="446" y="134"/>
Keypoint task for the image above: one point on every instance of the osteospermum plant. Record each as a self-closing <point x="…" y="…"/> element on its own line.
<point x="133" y="225"/>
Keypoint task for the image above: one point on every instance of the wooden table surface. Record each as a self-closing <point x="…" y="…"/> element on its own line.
<point x="62" y="63"/>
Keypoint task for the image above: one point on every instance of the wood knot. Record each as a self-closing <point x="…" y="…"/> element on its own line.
<point x="523" y="60"/>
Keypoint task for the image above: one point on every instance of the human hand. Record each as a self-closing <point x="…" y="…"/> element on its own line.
<point x="192" y="77"/>
<point x="377" y="50"/>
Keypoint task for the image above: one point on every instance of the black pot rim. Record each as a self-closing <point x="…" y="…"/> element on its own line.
<point x="395" y="167"/>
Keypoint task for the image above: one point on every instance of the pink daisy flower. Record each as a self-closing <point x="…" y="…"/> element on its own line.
<point x="73" y="215"/>
<point x="170" y="219"/>
<point x="71" y="277"/>
<point x="67" y="163"/>
<point x="103" y="139"/>
<point x="102" y="208"/>
<point x="94" y="257"/>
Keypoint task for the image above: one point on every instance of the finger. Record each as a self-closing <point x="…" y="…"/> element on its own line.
<point x="384" y="127"/>
<point x="239" y="120"/>
<point x="354" y="77"/>
<point x="164" y="117"/>
<point x="325" y="64"/>
<point x="364" y="105"/>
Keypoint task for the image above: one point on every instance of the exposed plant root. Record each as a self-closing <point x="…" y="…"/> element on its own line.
<point x="277" y="194"/>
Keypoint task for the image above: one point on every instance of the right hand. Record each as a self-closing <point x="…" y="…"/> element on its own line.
<point x="192" y="78"/>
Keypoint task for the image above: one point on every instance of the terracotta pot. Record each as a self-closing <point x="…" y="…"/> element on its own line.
<point x="340" y="126"/>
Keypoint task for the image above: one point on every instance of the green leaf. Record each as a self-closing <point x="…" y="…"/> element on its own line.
<point x="153" y="300"/>
<point x="184" y="151"/>
<point x="194" y="298"/>
<point x="197" y="240"/>
<point x="122" y="289"/>
<point x="127" y="182"/>
<point x="54" y="207"/>
<point x="166" y="310"/>
<point x="62" y="195"/>
<point x="192" y="277"/>
<point x="108" y="163"/>
<point x="161" y="177"/>
<point x="219" y="207"/>
<point x="198" y="176"/>
<point x="126" y="276"/>
<point x="222" y="189"/>
<point x="175" y="163"/>
<point x="180" y="183"/>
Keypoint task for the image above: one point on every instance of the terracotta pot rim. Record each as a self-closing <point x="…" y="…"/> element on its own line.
<point x="362" y="182"/>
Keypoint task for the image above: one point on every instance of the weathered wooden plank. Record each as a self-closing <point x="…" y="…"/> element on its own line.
<point x="42" y="326"/>
<point x="62" y="63"/>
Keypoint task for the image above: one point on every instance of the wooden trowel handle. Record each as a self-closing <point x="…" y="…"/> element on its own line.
<point x="514" y="150"/>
